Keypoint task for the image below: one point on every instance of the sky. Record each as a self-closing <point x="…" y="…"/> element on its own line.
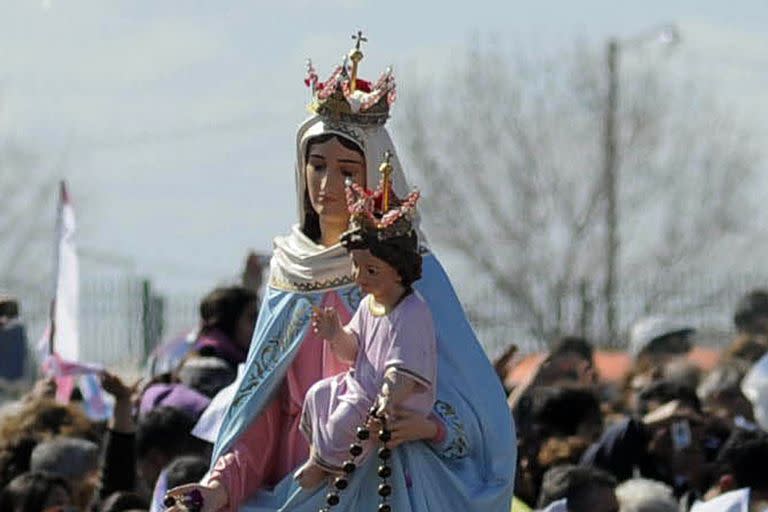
<point x="174" y="121"/>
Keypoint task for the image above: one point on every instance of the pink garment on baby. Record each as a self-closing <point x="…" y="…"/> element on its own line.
<point x="405" y="340"/>
<point x="272" y="446"/>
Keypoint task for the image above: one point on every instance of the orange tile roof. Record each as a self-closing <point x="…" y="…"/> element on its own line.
<point x="612" y="366"/>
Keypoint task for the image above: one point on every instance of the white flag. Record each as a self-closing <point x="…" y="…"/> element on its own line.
<point x="66" y="341"/>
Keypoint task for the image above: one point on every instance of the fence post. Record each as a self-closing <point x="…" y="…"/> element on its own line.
<point x="152" y="312"/>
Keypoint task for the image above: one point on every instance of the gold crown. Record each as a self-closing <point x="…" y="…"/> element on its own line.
<point x="379" y="211"/>
<point x="348" y="99"/>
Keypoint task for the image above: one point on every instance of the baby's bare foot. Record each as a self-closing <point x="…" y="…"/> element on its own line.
<point x="310" y="475"/>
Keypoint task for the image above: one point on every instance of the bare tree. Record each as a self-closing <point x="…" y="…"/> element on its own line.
<point x="508" y="153"/>
<point x="27" y="209"/>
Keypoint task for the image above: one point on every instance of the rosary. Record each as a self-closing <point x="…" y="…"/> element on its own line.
<point x="355" y="450"/>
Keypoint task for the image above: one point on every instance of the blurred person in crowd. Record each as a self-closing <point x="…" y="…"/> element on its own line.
<point x="642" y="495"/>
<point x="14" y="457"/>
<point x="682" y="371"/>
<point x="118" y="465"/>
<point x="721" y="395"/>
<point x="208" y="375"/>
<point x="124" y="502"/>
<point x="668" y="445"/>
<point x="570" y="362"/>
<point x="751" y="315"/>
<point x="176" y="396"/>
<point x="746" y="347"/>
<point x="186" y="469"/>
<point x="741" y="465"/>
<point x="36" y="492"/>
<point x="584" y="489"/>
<point x="503" y="364"/>
<point x="162" y="435"/>
<point x="659" y="339"/>
<point x="228" y="317"/>
<point x="75" y="460"/>
<point x="16" y="367"/>
<point x="45" y="418"/>
<point x="555" y="425"/>
<point x="661" y="392"/>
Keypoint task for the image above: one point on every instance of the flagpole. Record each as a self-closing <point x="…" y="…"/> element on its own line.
<point x="56" y="256"/>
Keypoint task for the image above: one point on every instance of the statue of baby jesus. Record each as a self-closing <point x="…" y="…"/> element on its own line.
<point x="391" y="342"/>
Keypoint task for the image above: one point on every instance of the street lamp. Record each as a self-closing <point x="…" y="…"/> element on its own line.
<point x="667" y="35"/>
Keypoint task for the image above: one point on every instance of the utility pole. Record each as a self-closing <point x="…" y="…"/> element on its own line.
<point x="611" y="184"/>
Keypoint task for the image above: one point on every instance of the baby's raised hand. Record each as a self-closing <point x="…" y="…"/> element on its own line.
<point x="326" y="323"/>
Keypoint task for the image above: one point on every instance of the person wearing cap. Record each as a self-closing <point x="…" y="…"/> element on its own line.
<point x="74" y="460"/>
<point x="659" y="338"/>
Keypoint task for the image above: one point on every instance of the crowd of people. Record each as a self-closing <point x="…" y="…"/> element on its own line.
<point x="666" y="437"/>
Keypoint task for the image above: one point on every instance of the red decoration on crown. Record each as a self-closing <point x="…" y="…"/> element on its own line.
<point x="345" y="97"/>
<point x="381" y="210"/>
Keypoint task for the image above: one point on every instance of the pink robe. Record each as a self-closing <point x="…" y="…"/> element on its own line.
<point x="273" y="446"/>
<point x="403" y="340"/>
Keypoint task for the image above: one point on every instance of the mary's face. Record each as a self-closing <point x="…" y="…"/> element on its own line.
<point x="329" y="164"/>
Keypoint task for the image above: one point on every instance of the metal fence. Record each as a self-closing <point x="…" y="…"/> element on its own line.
<point x="122" y="318"/>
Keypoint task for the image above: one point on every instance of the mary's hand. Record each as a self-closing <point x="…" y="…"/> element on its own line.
<point x="408" y="426"/>
<point x="196" y="497"/>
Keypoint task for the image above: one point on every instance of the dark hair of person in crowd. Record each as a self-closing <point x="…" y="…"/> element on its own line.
<point x="574" y="345"/>
<point x="579" y="485"/>
<point x="34" y="492"/>
<point x="310" y="224"/>
<point x="741" y="463"/>
<point x="222" y="308"/>
<point x="14" y="458"/>
<point x="566" y="411"/>
<point x="751" y="314"/>
<point x="663" y="391"/>
<point x="746" y="347"/>
<point x="124" y="501"/>
<point x="162" y="435"/>
<point x="186" y="469"/>
<point x="47" y="418"/>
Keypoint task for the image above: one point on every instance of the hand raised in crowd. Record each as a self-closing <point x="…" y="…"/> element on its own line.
<point x="43" y="388"/>
<point x="199" y="497"/>
<point x="122" y="418"/>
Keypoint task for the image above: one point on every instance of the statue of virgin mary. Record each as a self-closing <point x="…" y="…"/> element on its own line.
<point x="466" y="461"/>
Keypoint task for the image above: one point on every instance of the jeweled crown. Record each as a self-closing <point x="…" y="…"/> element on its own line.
<point x="380" y="212"/>
<point x="348" y="99"/>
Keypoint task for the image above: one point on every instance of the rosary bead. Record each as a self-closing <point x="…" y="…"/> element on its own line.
<point x="385" y="453"/>
<point x="349" y="467"/>
<point x="384" y="435"/>
<point x="385" y="490"/>
<point x="355" y="450"/>
<point x="363" y="433"/>
<point x="384" y="507"/>
<point x="332" y="499"/>
<point x="340" y="483"/>
<point x="384" y="471"/>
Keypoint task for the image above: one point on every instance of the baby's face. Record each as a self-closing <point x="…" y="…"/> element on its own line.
<point x="373" y="275"/>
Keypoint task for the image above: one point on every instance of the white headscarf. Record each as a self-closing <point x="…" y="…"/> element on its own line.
<point x="301" y="264"/>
